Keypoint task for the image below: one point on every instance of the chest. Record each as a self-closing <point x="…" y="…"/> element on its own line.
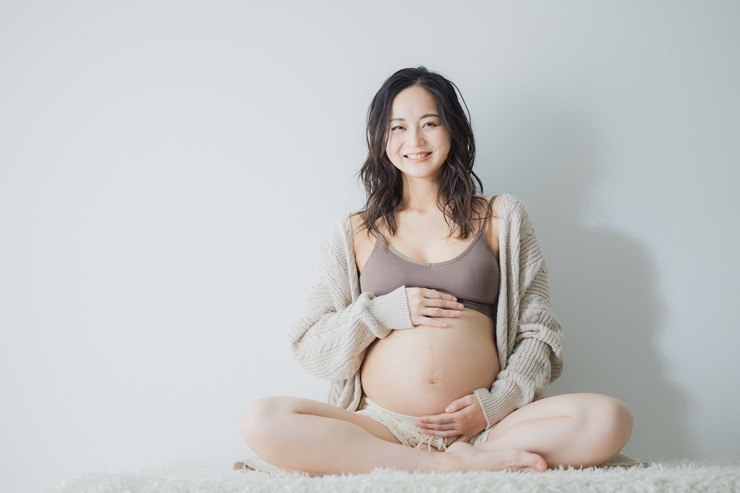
<point x="472" y="275"/>
<point x="427" y="240"/>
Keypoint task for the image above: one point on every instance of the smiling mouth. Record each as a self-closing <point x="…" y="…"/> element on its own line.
<point x="417" y="156"/>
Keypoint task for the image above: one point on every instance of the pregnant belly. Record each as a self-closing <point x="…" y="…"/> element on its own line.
<point x="420" y="371"/>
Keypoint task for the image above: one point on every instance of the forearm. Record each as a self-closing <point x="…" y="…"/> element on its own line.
<point x="330" y="341"/>
<point x="524" y="380"/>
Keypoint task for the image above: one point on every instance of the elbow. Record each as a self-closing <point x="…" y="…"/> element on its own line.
<point x="341" y="370"/>
<point x="323" y="366"/>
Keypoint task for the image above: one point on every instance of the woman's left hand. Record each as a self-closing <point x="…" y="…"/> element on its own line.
<point x="463" y="417"/>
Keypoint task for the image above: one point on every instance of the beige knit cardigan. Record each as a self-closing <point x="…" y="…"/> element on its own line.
<point x="339" y="322"/>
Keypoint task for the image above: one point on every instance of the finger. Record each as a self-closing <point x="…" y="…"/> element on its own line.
<point x="463" y="438"/>
<point x="440" y="313"/>
<point x="461" y="403"/>
<point x="435" y="418"/>
<point x="455" y="406"/>
<point x="439" y="427"/>
<point x="438" y="303"/>
<point x="433" y="293"/>
<point x="438" y="424"/>
<point x="443" y="434"/>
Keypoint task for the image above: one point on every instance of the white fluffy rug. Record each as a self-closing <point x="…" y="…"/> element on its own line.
<point x="673" y="476"/>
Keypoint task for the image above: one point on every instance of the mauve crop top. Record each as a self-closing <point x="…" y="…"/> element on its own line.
<point x="472" y="276"/>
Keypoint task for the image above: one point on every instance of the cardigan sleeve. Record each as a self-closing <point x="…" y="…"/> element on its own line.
<point x="534" y="342"/>
<point x="334" y="331"/>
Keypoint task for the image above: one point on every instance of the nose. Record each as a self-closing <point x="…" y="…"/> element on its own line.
<point x="415" y="137"/>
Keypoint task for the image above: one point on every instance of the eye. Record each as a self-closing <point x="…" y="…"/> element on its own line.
<point x="397" y="127"/>
<point x="431" y="124"/>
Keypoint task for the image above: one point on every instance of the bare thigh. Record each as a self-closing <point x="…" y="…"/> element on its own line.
<point x="567" y="405"/>
<point x="277" y="406"/>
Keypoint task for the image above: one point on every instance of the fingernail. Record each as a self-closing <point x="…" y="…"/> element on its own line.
<point x="460" y="306"/>
<point x="541" y="467"/>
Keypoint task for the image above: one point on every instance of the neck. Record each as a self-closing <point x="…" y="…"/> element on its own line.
<point x="420" y="194"/>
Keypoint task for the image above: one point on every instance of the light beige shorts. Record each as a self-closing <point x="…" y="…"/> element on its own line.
<point x="402" y="427"/>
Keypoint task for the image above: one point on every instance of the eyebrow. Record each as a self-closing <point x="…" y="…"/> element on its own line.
<point x="422" y="117"/>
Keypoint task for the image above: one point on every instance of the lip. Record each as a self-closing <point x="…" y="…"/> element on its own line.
<point x="417" y="160"/>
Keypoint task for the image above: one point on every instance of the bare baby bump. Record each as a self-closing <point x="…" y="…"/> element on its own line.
<point x="419" y="371"/>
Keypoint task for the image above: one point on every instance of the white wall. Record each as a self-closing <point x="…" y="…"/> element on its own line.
<point x="168" y="171"/>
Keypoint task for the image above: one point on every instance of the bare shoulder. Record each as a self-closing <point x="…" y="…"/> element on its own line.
<point x="362" y="241"/>
<point x="360" y="234"/>
<point x="497" y="205"/>
<point x="356" y="222"/>
<point x="492" y="228"/>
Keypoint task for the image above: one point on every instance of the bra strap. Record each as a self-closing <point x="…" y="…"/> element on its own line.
<point x="489" y="212"/>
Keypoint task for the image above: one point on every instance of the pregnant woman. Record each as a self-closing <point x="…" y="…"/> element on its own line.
<point x="430" y="315"/>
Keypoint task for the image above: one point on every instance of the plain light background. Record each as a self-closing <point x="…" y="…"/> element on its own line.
<point x="168" y="171"/>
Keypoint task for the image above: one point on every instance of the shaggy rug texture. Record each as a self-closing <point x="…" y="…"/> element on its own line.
<point x="667" y="476"/>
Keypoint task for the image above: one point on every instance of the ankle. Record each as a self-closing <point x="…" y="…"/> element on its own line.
<point x="446" y="462"/>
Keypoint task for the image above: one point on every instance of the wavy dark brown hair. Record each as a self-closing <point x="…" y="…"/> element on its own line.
<point x="459" y="185"/>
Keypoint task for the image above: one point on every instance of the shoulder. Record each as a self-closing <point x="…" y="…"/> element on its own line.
<point x="492" y="223"/>
<point x="511" y="210"/>
<point x="494" y="203"/>
<point x="355" y="221"/>
<point x="349" y="230"/>
<point x="362" y="241"/>
<point x="357" y="227"/>
<point x="339" y="238"/>
<point x="350" y="227"/>
<point x="509" y="218"/>
<point x="496" y="207"/>
<point x="346" y="224"/>
<point x="517" y="232"/>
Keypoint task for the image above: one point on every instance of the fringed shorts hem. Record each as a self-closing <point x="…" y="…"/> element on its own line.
<point x="402" y="427"/>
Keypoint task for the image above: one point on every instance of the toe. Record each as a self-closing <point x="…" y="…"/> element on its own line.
<point x="526" y="460"/>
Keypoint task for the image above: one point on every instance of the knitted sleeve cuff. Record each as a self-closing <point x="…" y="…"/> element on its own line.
<point x="494" y="409"/>
<point x="392" y="309"/>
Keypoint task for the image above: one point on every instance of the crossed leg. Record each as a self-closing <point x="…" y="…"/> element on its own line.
<point x="303" y="435"/>
<point x="579" y="430"/>
<point x="308" y="436"/>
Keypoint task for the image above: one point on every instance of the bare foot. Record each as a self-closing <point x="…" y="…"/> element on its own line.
<point x="470" y="458"/>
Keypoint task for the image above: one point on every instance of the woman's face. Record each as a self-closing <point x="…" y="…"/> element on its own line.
<point x="418" y="144"/>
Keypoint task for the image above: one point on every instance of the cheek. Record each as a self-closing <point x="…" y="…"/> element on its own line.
<point x="445" y="141"/>
<point x="391" y="146"/>
<point x="445" y="144"/>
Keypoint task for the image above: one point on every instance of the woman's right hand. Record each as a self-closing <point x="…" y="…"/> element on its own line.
<point x="430" y="307"/>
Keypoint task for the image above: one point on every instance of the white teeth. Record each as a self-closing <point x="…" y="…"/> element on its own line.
<point x="418" y="156"/>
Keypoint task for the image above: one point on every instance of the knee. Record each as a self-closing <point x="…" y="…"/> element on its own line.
<point x="257" y="421"/>
<point x="613" y="421"/>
